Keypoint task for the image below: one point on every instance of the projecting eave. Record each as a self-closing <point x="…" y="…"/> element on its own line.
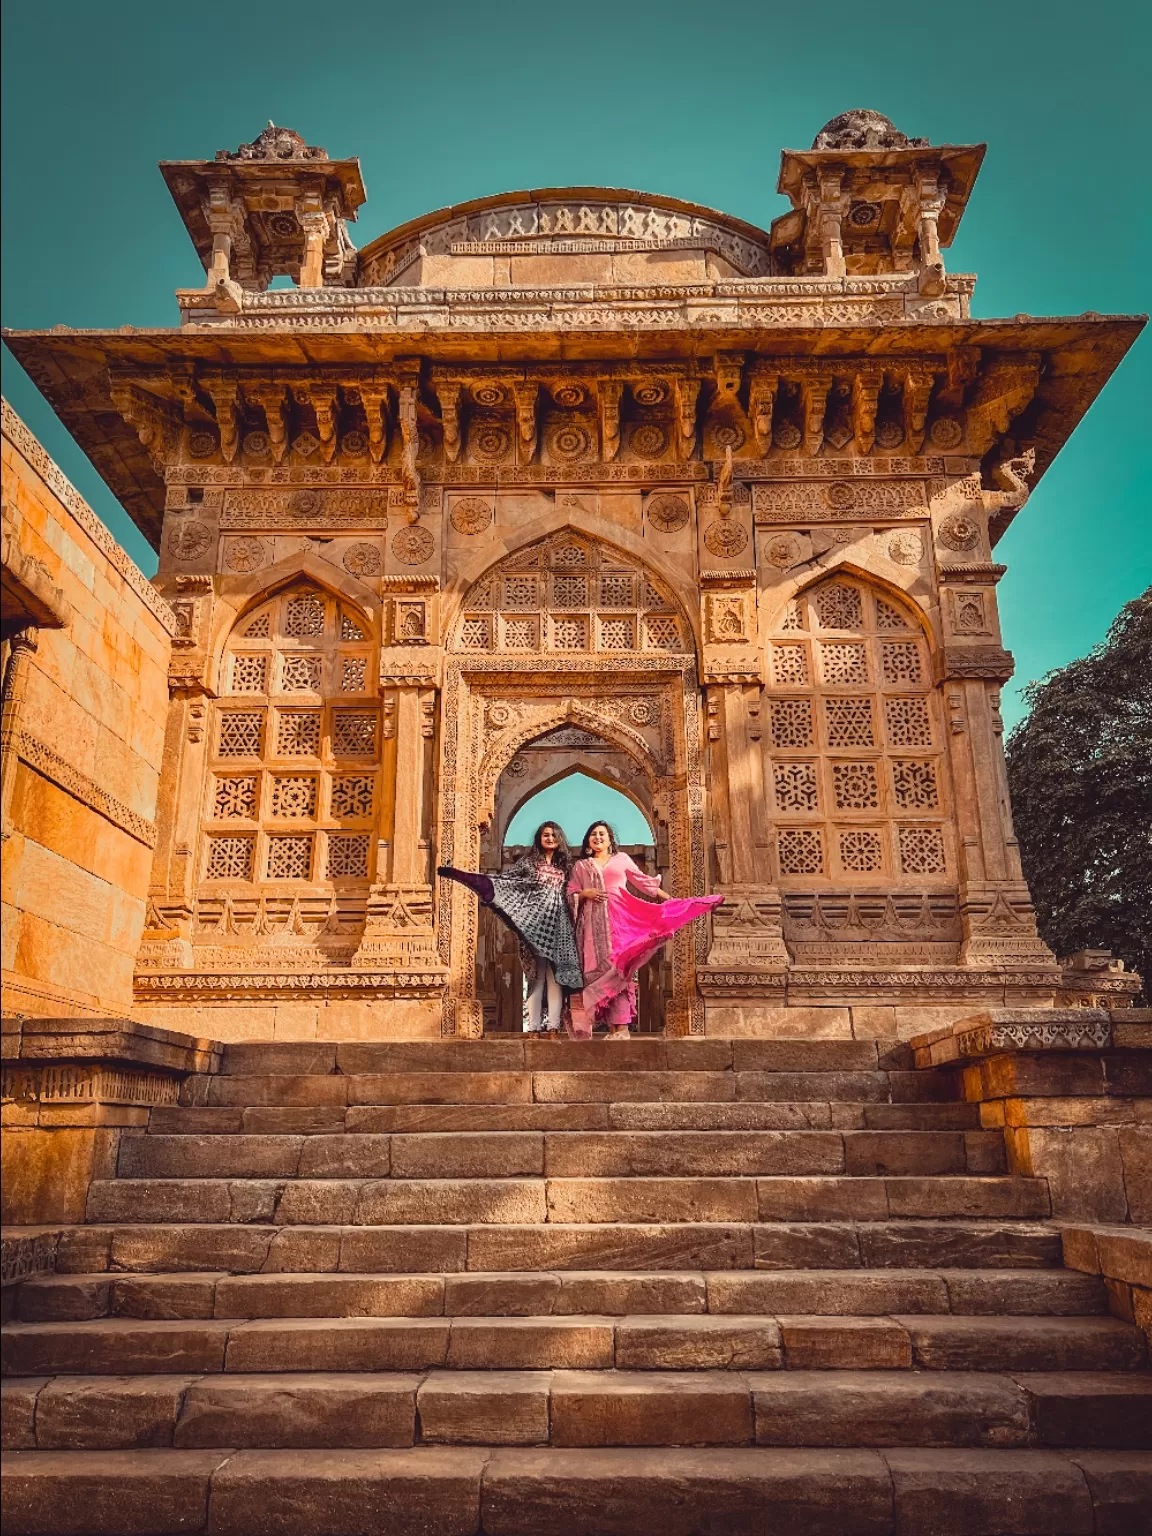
<point x="71" y="368"/>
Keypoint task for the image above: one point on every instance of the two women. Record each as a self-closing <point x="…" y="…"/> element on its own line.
<point x="582" y="931"/>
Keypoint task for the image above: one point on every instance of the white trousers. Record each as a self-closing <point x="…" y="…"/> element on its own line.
<point x="545" y="981"/>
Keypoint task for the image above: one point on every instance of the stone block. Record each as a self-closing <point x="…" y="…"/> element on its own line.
<point x="268" y="1058"/>
<point x="441" y="1088"/>
<point x="651" y="1200"/>
<point x="163" y="1248"/>
<point x="645" y="1408"/>
<point x="827" y="1293"/>
<point x="970" y="1492"/>
<point x="620" y="1295"/>
<point x="904" y="1152"/>
<point x="315" y="1250"/>
<point x="490" y="1407"/>
<point x="611" y="1246"/>
<point x="1135" y="1146"/>
<point x="18" y="1412"/>
<point x="398" y="1250"/>
<point x="163" y="1296"/>
<point x="1024" y="1343"/>
<point x="1120" y="1484"/>
<point x="121" y="1493"/>
<point x="64" y="1298"/>
<point x="300" y="1409"/>
<point x="854" y="1087"/>
<point x="429" y="1491"/>
<point x="814" y="1245"/>
<point x="745" y="1116"/>
<point x="698" y="1343"/>
<point x="337" y="1344"/>
<point x="345" y="1156"/>
<point x="683" y="1492"/>
<point x="844" y="1343"/>
<point x="1024" y="1199"/>
<point x="992" y="1293"/>
<point x="509" y="1295"/>
<point x="452" y="1201"/>
<point x="1086" y="1408"/>
<point x="111" y="1346"/>
<point x="958" y="1245"/>
<point x="115" y="1413"/>
<point x="1084" y="1171"/>
<point x="340" y="1295"/>
<point x="822" y="1199"/>
<point x="888" y="1408"/>
<point x="531" y="1343"/>
<point x="632" y="1087"/>
<point x="468" y="1155"/>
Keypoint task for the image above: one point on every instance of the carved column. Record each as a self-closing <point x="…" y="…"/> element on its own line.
<point x="398" y="933"/>
<point x="18" y="666"/>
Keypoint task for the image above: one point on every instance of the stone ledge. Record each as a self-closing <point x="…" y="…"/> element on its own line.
<point x="1122" y="1257"/>
<point x="123" y="1041"/>
<point x="27" y="1251"/>
<point x="998" y="1030"/>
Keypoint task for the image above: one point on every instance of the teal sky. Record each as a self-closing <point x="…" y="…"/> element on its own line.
<point x="452" y="101"/>
<point x="575" y="802"/>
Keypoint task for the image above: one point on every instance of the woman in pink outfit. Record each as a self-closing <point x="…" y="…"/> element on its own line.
<point x="617" y="932"/>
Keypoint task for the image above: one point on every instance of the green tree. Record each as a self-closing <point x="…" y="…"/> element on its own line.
<point x="1080" y="770"/>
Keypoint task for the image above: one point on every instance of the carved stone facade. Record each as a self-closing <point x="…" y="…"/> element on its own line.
<point x="584" y="467"/>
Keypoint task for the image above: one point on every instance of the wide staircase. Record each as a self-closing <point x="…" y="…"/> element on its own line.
<point x="521" y="1286"/>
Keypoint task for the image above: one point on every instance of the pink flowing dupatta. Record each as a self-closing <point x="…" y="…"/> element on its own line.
<point x="618" y="936"/>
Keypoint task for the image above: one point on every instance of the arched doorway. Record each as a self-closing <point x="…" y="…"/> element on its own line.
<point x="569" y="634"/>
<point x="606" y="782"/>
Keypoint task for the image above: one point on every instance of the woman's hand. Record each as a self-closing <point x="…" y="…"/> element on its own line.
<point x="590" y="895"/>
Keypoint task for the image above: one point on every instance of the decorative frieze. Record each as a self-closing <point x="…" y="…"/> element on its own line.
<point x="38" y="755"/>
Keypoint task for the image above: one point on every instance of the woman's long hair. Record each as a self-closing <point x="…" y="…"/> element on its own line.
<point x="586" y="852"/>
<point x="561" y="854"/>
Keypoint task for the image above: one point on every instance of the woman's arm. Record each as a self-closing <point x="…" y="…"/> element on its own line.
<point x="645" y="885"/>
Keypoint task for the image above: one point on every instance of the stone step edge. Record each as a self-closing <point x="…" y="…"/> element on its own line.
<point x="698" y="1285"/>
<point x="505" y="1491"/>
<point x="522" y="1407"/>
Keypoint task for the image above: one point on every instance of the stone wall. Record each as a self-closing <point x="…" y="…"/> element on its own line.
<point x="86" y="649"/>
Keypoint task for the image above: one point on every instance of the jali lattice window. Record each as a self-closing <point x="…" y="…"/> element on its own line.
<point x="853" y="741"/>
<point x="570" y="594"/>
<point x="291" y="793"/>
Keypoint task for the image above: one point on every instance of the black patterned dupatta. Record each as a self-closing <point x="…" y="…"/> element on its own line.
<point x="536" y="910"/>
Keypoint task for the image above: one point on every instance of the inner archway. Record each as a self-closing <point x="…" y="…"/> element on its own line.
<point x="574" y="776"/>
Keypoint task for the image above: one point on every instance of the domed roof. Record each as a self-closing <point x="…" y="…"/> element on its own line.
<point x="861" y="128"/>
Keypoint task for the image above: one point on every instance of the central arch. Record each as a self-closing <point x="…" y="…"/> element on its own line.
<point x="569" y="634"/>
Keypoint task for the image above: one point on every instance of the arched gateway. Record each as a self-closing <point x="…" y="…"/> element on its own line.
<point x="582" y="466"/>
<point x="570" y="636"/>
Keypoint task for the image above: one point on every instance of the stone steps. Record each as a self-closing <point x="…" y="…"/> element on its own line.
<point x="564" y="1084"/>
<point x="560" y="1154"/>
<point x="513" y="1491"/>
<point x="363" y="1410"/>
<point x="107" y="1346"/>
<point x="780" y="1115"/>
<point x="236" y="1248"/>
<point x="855" y="1292"/>
<point x="396" y="1201"/>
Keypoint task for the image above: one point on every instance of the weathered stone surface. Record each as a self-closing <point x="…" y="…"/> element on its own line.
<point x="1024" y="1343"/>
<point x="18" y="1412"/>
<point x="491" y="1407"/>
<point x="453" y="1201"/>
<point x="121" y="1493"/>
<point x="467" y="1155"/>
<point x="511" y="1295"/>
<point x="964" y="1492"/>
<point x="709" y="1245"/>
<point x="668" y="1408"/>
<point x="1120" y="1483"/>
<point x="888" y="1408"/>
<point x="688" y="1154"/>
<point x="112" y="1346"/>
<point x="291" y="1408"/>
<point x="698" y="1343"/>
<point x="844" y="1343"/>
<point x="1082" y="1408"/>
<point x="531" y="1343"/>
<point x="651" y="1200"/>
<point x="426" y="1492"/>
<point x="116" y="1413"/>
<point x="828" y="1293"/>
<point x="337" y="1344"/>
<point x="340" y="1295"/>
<point x="681" y="1492"/>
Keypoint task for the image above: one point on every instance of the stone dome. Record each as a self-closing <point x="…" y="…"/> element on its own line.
<point x="862" y="128"/>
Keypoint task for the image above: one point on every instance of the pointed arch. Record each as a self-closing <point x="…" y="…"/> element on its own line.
<point x="239" y="595"/>
<point x="574" y="593"/>
<point x="900" y="586"/>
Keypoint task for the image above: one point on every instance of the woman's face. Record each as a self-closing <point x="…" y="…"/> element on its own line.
<point x="548" y="839"/>
<point x="599" y="841"/>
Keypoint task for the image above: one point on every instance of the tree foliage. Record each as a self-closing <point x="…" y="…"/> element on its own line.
<point x="1080" y="770"/>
